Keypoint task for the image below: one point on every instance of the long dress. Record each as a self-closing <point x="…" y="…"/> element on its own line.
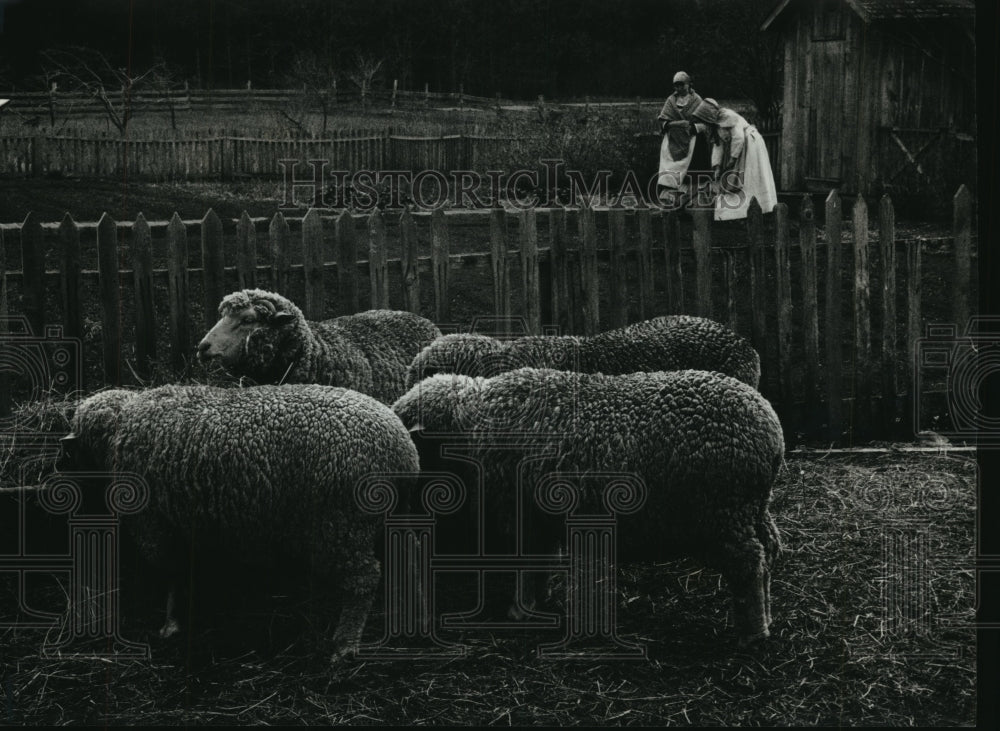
<point x="745" y="168"/>
<point x="678" y="144"/>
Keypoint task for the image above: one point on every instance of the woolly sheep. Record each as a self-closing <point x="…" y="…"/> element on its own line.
<point x="265" y="337"/>
<point x="706" y="446"/>
<point x="661" y="344"/>
<point x="265" y="476"/>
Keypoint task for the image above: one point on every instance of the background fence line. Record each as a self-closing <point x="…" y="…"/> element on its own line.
<point x="558" y="286"/>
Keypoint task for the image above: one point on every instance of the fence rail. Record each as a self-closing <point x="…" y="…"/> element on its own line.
<point x="833" y="346"/>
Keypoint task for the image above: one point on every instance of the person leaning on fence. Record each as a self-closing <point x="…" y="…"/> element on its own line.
<point x="686" y="145"/>
<point x="741" y="166"/>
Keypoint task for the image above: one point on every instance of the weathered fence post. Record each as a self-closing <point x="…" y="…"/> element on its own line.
<point x="672" y="259"/>
<point x="177" y="290"/>
<point x="33" y="273"/>
<point x="783" y="293"/>
<point x="107" y="265"/>
<point x="213" y="265"/>
<point x="142" y="275"/>
<point x="729" y="280"/>
<point x="758" y="285"/>
<point x="646" y="286"/>
<point x="347" y="263"/>
<point x="834" y="346"/>
<point x="962" y="227"/>
<point x="810" y="308"/>
<point x="69" y="286"/>
<point x="378" y="268"/>
<point x="529" y="271"/>
<point x="562" y="301"/>
<point x="280" y="244"/>
<point x="913" y="332"/>
<point x="588" y="269"/>
<point x="701" y="241"/>
<point x="498" y="262"/>
<point x="5" y="395"/>
<point x="312" y="264"/>
<point x="440" y="249"/>
<point x="862" y="319"/>
<point x="887" y="239"/>
<point x="246" y="252"/>
<point x="618" y="271"/>
<point x="408" y="260"/>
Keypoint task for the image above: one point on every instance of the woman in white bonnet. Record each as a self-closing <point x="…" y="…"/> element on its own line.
<point x="685" y="142"/>
<point x="742" y="167"/>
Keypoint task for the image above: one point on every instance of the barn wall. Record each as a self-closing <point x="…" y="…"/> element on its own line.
<point x="839" y="93"/>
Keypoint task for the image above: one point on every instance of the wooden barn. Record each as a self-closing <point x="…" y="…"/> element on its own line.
<point x="879" y="95"/>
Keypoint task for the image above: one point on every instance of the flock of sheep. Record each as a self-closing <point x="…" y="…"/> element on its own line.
<point x="267" y="474"/>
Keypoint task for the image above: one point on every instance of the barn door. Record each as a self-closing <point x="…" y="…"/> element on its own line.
<point x="826" y="114"/>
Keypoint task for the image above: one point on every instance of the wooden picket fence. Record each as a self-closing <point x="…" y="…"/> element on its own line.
<point x="844" y="391"/>
<point x="229" y="156"/>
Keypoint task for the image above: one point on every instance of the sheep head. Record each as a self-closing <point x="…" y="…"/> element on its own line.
<point x="251" y="328"/>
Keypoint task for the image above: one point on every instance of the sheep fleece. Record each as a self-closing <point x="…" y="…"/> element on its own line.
<point x="707" y="447"/>
<point x="268" y="472"/>
<point x="674" y="342"/>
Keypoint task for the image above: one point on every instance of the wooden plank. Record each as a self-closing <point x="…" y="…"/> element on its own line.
<point x="281" y="261"/>
<point x="107" y="264"/>
<point x="559" y="262"/>
<point x="862" y="319"/>
<point x="834" y="346"/>
<point x="312" y="262"/>
<point x="618" y="269"/>
<point x="887" y="243"/>
<point x="913" y="332"/>
<point x="33" y="268"/>
<point x="729" y="274"/>
<point x="783" y="291"/>
<point x="347" y="263"/>
<point x="672" y="254"/>
<point x="501" y="269"/>
<point x="758" y="285"/>
<point x="69" y="290"/>
<point x="177" y="291"/>
<point x="246" y="252"/>
<point x="962" y="227"/>
<point x="5" y="394"/>
<point x="646" y="287"/>
<point x="440" y="249"/>
<point x="411" y="278"/>
<point x="378" y="267"/>
<point x="213" y="266"/>
<point x="145" y="317"/>
<point x="530" y="273"/>
<point x="810" y="307"/>
<point x="701" y="241"/>
<point x="588" y="270"/>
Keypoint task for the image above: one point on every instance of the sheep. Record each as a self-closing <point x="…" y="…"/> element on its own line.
<point x="706" y="446"/>
<point x="263" y="476"/>
<point x="667" y="343"/>
<point x="264" y="336"/>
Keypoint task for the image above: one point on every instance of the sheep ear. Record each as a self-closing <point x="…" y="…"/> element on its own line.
<point x="281" y="318"/>
<point x="68" y="445"/>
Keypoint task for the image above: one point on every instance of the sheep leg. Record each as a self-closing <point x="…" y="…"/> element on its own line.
<point x="742" y="562"/>
<point x="767" y="534"/>
<point x="357" y="586"/>
<point x="170" y="626"/>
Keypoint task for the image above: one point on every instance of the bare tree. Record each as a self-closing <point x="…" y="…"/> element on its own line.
<point x="318" y="80"/>
<point x="366" y="67"/>
<point x="163" y="80"/>
<point x="87" y="70"/>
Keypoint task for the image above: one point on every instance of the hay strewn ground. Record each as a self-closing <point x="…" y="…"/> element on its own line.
<point x="873" y="604"/>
